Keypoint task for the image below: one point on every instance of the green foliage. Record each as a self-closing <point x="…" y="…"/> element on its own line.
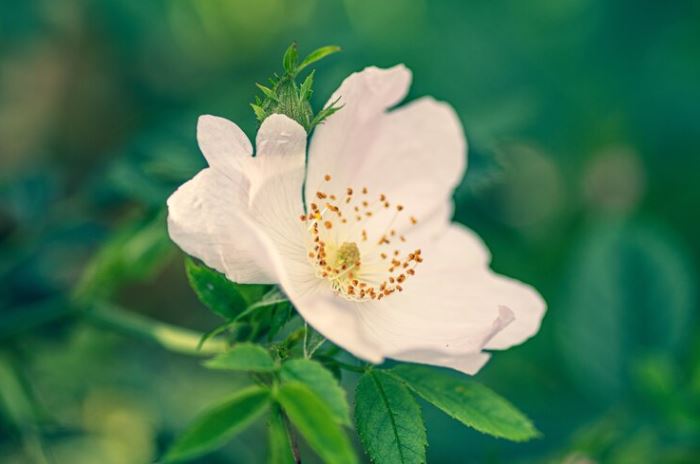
<point x="278" y="439"/>
<point x="286" y="97"/>
<point x="317" y="55"/>
<point x="265" y="315"/>
<point x="315" y="422"/>
<point x="630" y="291"/>
<point x="319" y="380"/>
<point x="16" y="404"/>
<point x="218" y="425"/>
<point x="136" y="252"/>
<point x="467" y="401"/>
<point x="243" y="357"/>
<point x="82" y="164"/>
<point x="214" y="290"/>
<point x="388" y="419"/>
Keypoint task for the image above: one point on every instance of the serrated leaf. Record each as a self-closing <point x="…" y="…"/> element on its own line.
<point x="289" y="60"/>
<point x="219" y="424"/>
<point x="243" y="357"/>
<point x="279" y="443"/>
<point x="320" y="381"/>
<point x="317" y="55"/>
<point x="316" y="423"/>
<point x="467" y="401"/>
<point x="214" y="290"/>
<point x="389" y="421"/>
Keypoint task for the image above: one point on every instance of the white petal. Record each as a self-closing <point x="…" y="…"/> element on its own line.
<point x="415" y="154"/>
<point x="469" y="363"/>
<point x="452" y="308"/>
<point x="277" y="177"/>
<point x="527" y="306"/>
<point x="418" y="156"/>
<point x="311" y="296"/>
<point x="223" y="144"/>
<point x="202" y="221"/>
<point x="204" y="213"/>
<point x="341" y="142"/>
<point x="280" y="152"/>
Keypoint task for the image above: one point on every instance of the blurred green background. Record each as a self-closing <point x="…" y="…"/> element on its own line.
<point x="583" y="118"/>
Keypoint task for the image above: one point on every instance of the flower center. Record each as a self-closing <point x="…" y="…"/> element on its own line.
<point x="356" y="242"/>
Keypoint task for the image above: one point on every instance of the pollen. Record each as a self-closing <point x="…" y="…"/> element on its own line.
<point x="354" y="256"/>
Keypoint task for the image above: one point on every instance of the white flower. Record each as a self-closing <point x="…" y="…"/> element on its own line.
<point x="372" y="261"/>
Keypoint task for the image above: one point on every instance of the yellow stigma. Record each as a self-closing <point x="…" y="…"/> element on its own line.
<point x="348" y="254"/>
<point x="339" y="221"/>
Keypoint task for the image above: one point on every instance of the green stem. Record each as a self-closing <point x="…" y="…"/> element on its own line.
<point x="168" y="336"/>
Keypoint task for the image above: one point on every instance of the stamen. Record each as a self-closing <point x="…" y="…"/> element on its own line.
<point x="334" y="252"/>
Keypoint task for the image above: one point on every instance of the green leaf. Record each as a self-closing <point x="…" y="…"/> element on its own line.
<point x="218" y="425"/>
<point x="317" y="55"/>
<point x="289" y="60"/>
<point x="214" y="290"/>
<point x="16" y="403"/>
<point x="279" y="443"/>
<point x="389" y="420"/>
<point x="135" y="253"/>
<point x="467" y="401"/>
<point x="326" y="112"/>
<point x="316" y="423"/>
<point x="268" y="92"/>
<point x="305" y="90"/>
<point x="630" y="291"/>
<point x="260" y="113"/>
<point x="243" y="357"/>
<point x="320" y="381"/>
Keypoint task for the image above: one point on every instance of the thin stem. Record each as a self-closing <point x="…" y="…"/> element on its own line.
<point x="318" y="345"/>
<point x="170" y="337"/>
<point x="306" y="337"/>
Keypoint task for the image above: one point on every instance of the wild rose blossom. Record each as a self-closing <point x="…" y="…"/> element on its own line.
<point x="359" y="237"/>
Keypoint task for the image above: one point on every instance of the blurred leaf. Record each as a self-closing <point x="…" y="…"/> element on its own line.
<point x="136" y="252"/>
<point x="630" y="292"/>
<point x="27" y="198"/>
<point x="218" y="425"/>
<point x="243" y="357"/>
<point x="317" y="55"/>
<point x="320" y="381"/>
<point x="279" y="443"/>
<point x="389" y="421"/>
<point x="214" y="289"/>
<point x="316" y="423"/>
<point x="467" y="401"/>
<point x="15" y="401"/>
